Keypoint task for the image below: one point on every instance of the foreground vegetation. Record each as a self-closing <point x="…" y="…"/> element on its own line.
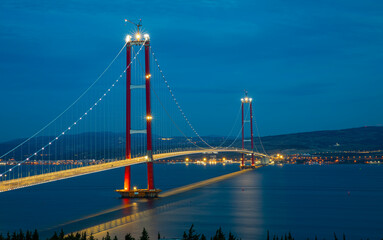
<point x="191" y="234"/>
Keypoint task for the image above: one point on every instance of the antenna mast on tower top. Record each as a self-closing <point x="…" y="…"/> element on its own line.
<point x="137" y="35"/>
<point x="138" y="25"/>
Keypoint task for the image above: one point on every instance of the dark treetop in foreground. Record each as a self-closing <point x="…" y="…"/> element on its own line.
<point x="191" y="234"/>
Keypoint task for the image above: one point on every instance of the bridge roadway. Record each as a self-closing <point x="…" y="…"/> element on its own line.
<point x="55" y="176"/>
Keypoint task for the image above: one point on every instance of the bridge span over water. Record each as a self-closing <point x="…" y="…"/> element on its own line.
<point x="86" y="132"/>
<point x="60" y="175"/>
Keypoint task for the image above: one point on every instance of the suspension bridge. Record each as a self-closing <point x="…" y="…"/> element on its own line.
<point x="116" y="123"/>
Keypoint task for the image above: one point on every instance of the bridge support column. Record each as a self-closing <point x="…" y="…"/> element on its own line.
<point x="128" y="143"/>
<point x="251" y="134"/>
<point x="127" y="178"/>
<point x="243" y="139"/>
<point x="150" y="176"/>
<point x="148" y="118"/>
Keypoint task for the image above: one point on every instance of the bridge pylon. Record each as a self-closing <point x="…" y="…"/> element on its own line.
<point x="151" y="191"/>
<point x="247" y="100"/>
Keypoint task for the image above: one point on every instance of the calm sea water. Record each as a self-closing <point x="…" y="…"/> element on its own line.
<point x="306" y="200"/>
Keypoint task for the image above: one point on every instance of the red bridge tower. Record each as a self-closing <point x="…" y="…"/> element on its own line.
<point x="127" y="192"/>
<point x="247" y="100"/>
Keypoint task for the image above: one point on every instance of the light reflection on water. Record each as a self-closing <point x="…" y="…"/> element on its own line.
<point x="306" y="200"/>
<point x="47" y="205"/>
<point x="309" y="201"/>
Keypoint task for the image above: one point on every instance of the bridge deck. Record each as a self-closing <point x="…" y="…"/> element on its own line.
<point x="55" y="176"/>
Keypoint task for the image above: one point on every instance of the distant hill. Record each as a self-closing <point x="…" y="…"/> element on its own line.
<point x="363" y="138"/>
<point x="89" y="145"/>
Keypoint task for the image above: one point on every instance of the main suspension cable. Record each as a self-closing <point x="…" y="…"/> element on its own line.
<point x="240" y="130"/>
<point x="78" y="120"/>
<point x="259" y="136"/>
<point x="167" y="113"/>
<point x="175" y="100"/>
<point x="69" y="107"/>
<point x="232" y="128"/>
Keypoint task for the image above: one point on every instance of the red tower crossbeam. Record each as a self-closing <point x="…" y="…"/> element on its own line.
<point x="128" y="153"/>
<point x="148" y="118"/>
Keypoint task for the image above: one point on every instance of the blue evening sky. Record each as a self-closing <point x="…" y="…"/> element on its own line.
<point x="309" y="65"/>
